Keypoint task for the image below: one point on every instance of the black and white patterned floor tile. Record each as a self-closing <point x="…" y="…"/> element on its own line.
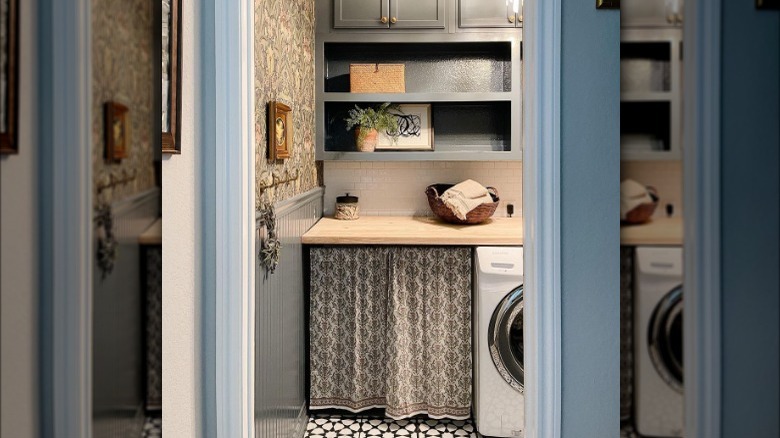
<point x="152" y="427"/>
<point x="361" y="427"/>
<point x="627" y="431"/>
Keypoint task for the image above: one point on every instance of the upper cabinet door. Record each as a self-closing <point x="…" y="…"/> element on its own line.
<point x="361" y="14"/>
<point x="428" y="14"/>
<point x="651" y="13"/>
<point x="485" y="13"/>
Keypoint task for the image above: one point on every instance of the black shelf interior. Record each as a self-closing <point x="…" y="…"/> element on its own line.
<point x="646" y="119"/>
<point x="429" y="67"/>
<point x="457" y="126"/>
<point x="655" y="50"/>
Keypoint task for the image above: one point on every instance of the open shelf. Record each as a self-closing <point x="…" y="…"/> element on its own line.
<point x="457" y="127"/>
<point x="419" y="97"/>
<point x="650" y="94"/>
<point x="453" y="67"/>
<point x="472" y="81"/>
<point x="646" y="96"/>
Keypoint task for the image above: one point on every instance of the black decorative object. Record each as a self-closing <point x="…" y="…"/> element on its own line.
<point x="107" y="243"/>
<point x="270" y="245"/>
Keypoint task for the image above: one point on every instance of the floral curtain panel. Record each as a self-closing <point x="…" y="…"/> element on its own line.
<point x="391" y="328"/>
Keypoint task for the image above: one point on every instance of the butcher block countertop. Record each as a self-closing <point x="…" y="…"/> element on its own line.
<point x="660" y="231"/>
<point x="152" y="235"/>
<point x="406" y="230"/>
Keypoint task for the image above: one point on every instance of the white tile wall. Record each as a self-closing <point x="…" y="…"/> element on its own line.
<point x="665" y="176"/>
<point x="398" y="188"/>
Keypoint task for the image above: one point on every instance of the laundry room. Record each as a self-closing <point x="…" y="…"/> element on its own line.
<point x="404" y="195"/>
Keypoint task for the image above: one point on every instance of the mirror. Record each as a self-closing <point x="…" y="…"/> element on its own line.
<point x="171" y="76"/>
<point x="9" y="48"/>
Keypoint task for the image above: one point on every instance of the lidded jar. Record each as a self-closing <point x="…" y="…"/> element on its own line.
<point x="347" y="208"/>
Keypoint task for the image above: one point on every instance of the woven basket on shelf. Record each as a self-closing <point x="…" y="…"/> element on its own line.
<point x="475" y="216"/>
<point x="377" y="78"/>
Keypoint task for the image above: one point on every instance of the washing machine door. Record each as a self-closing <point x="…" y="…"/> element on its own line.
<point x="505" y="338"/>
<point x="665" y="338"/>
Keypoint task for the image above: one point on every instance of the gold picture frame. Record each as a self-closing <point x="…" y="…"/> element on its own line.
<point x="117" y="131"/>
<point x="170" y="11"/>
<point x="9" y="91"/>
<point x="280" y="131"/>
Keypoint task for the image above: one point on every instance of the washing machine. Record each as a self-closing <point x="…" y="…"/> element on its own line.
<point x="498" y="341"/>
<point x="658" y="342"/>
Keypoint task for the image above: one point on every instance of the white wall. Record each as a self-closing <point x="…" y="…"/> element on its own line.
<point x="398" y="188"/>
<point x="182" y="348"/>
<point x="19" y="268"/>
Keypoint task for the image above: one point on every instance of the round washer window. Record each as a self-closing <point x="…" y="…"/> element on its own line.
<point x="505" y="338"/>
<point x="665" y="338"/>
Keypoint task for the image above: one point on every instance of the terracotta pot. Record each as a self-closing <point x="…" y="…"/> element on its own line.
<point x="369" y="141"/>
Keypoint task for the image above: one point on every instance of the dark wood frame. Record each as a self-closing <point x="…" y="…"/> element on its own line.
<point x="767" y="4"/>
<point x="171" y="140"/>
<point x="112" y="111"/>
<point x="277" y="151"/>
<point x="607" y="4"/>
<point x="9" y="141"/>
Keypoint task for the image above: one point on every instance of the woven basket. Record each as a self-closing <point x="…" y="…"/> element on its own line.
<point x="475" y="216"/>
<point x="377" y="78"/>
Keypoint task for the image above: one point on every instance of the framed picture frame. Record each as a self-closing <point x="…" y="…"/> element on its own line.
<point x="9" y="74"/>
<point x="415" y="130"/>
<point x="171" y="77"/>
<point x="117" y="131"/>
<point x="280" y="131"/>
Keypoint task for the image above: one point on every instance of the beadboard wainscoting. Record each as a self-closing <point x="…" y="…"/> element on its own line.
<point x="398" y="188"/>
<point x="280" y="338"/>
<point x="118" y="369"/>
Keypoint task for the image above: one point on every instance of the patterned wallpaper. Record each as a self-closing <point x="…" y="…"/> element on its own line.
<point x="284" y="71"/>
<point x="122" y="71"/>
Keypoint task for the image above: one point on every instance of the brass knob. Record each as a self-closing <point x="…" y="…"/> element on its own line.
<point x="394" y="20"/>
<point x="383" y="20"/>
<point x="511" y="18"/>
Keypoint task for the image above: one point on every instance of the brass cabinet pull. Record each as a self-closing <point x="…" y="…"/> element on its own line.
<point x="511" y="18"/>
<point x="383" y="20"/>
<point x="394" y="20"/>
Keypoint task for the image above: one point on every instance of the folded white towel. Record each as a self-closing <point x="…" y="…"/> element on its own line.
<point x="464" y="197"/>
<point x="632" y="194"/>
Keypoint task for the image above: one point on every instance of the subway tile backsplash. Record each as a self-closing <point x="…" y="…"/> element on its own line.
<point x="398" y="188"/>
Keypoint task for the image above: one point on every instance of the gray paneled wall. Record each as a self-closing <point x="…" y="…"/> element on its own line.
<point x="280" y="348"/>
<point x="117" y="325"/>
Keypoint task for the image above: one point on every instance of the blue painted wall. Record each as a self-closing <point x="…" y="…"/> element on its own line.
<point x="590" y="174"/>
<point x="750" y="220"/>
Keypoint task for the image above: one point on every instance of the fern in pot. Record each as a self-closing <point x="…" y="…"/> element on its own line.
<point x="368" y="122"/>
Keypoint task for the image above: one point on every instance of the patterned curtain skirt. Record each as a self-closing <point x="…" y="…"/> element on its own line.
<point x="390" y="327"/>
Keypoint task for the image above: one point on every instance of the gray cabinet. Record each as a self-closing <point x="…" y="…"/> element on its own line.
<point x="361" y="13"/>
<point x="417" y="14"/>
<point x="394" y="14"/>
<point x="487" y="13"/>
<point x="651" y="13"/>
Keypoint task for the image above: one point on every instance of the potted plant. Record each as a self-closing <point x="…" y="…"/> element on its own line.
<point x="368" y="122"/>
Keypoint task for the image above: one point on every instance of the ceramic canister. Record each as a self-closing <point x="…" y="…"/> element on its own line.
<point x="347" y="207"/>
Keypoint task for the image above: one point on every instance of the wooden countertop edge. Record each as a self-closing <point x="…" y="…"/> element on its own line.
<point x="412" y="230"/>
<point x="152" y="235"/>
<point x="407" y="242"/>
<point x="658" y="232"/>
